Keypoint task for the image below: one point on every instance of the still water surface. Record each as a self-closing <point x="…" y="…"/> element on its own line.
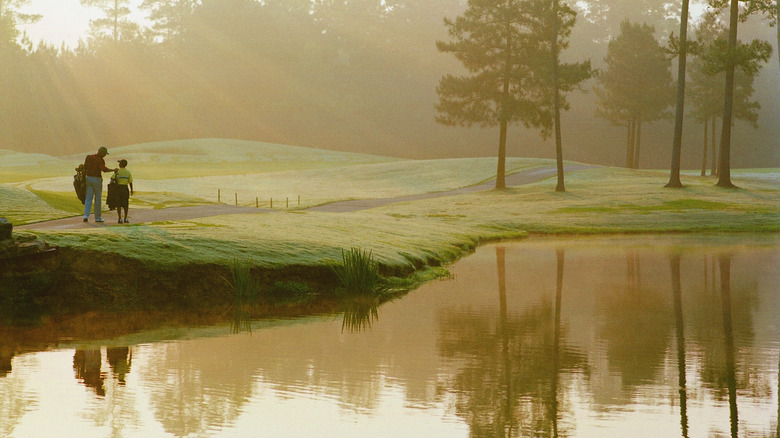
<point x="587" y="337"/>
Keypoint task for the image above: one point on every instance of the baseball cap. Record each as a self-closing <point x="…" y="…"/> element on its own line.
<point x="103" y="149"/>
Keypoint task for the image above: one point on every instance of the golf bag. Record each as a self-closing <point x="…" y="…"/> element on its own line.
<point x="112" y="194"/>
<point x="80" y="182"/>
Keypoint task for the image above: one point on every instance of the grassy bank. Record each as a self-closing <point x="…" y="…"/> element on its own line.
<point x="403" y="236"/>
<point x="600" y="200"/>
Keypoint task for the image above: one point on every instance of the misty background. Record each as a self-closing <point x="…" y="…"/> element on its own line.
<point x="353" y="75"/>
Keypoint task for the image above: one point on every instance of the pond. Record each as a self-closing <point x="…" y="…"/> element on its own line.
<point x="643" y="336"/>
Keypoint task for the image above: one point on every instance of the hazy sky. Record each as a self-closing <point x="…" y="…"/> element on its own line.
<point x="67" y="21"/>
<point x="63" y="20"/>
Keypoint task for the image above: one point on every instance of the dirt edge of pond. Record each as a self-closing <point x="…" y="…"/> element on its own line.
<point x="73" y="279"/>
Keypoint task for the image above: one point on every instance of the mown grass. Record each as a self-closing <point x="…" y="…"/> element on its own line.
<point x="411" y="235"/>
<point x="434" y="231"/>
<point x="67" y="202"/>
<point x="21" y="206"/>
<point x="327" y="184"/>
<point x="609" y="200"/>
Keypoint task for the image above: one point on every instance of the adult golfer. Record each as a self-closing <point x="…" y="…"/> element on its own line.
<point x="94" y="165"/>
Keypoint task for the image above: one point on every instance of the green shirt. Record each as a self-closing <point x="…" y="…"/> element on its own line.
<point x="123" y="176"/>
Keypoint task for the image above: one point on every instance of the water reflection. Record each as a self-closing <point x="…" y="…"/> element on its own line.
<point x="728" y="336"/>
<point x="360" y="312"/>
<point x="6" y="356"/>
<point x="680" y="332"/>
<point x="509" y="385"/>
<point x="538" y="338"/>
<point x="87" y="364"/>
<point x="119" y="359"/>
<point x="560" y="255"/>
<point x="242" y="311"/>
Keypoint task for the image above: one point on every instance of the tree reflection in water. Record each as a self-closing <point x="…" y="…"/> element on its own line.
<point x="678" y="319"/>
<point x="638" y="320"/>
<point x="509" y="386"/>
<point x="728" y="336"/>
<point x="560" y="256"/>
<point x="505" y="369"/>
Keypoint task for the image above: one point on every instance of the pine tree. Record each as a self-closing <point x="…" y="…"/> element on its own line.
<point x="115" y="23"/>
<point x="674" y="177"/>
<point x="706" y="88"/>
<point x="636" y="85"/>
<point x="169" y="17"/>
<point x="503" y="45"/>
<point x="726" y="56"/>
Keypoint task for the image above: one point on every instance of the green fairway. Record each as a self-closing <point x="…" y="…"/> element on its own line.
<point x="401" y="235"/>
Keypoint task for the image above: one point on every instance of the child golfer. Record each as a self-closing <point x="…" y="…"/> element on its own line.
<point x="124" y="179"/>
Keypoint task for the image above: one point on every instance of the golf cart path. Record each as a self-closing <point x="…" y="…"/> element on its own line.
<point x="145" y="215"/>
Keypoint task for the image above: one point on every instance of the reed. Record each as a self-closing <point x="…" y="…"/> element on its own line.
<point x="358" y="273"/>
<point x="245" y="289"/>
<point x="245" y="286"/>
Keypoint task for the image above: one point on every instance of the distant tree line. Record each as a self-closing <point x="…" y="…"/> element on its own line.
<point x="502" y="44"/>
<point x="318" y="73"/>
<point x="349" y="75"/>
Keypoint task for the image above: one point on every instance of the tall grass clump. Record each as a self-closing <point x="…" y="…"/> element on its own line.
<point x="245" y="290"/>
<point x="358" y="273"/>
<point x="244" y="285"/>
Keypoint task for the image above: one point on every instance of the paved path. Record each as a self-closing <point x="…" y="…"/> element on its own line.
<point x="144" y="215"/>
<point x="516" y="179"/>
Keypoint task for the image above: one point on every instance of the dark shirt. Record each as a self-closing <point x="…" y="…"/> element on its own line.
<point x="94" y="164"/>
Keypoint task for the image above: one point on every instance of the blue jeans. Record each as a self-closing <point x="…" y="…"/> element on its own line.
<point x="94" y="188"/>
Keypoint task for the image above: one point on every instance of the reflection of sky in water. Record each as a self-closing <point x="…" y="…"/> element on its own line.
<point x="441" y="361"/>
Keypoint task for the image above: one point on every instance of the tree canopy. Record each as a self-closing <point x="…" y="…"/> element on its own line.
<point x="502" y="45"/>
<point x="352" y="75"/>
<point x="636" y="86"/>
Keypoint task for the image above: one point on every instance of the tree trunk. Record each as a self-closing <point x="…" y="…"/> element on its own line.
<point x="556" y="98"/>
<point x="724" y="163"/>
<point x="631" y="140"/>
<point x="638" y="143"/>
<point x="674" y="177"/>
<point x="501" y="170"/>
<point x="704" y="151"/>
<point x="714" y="147"/>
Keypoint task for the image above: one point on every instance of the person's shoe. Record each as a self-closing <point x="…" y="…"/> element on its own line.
<point x="127" y="221"/>
<point x="99" y="220"/>
<point x="120" y="221"/>
<point x="86" y="220"/>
